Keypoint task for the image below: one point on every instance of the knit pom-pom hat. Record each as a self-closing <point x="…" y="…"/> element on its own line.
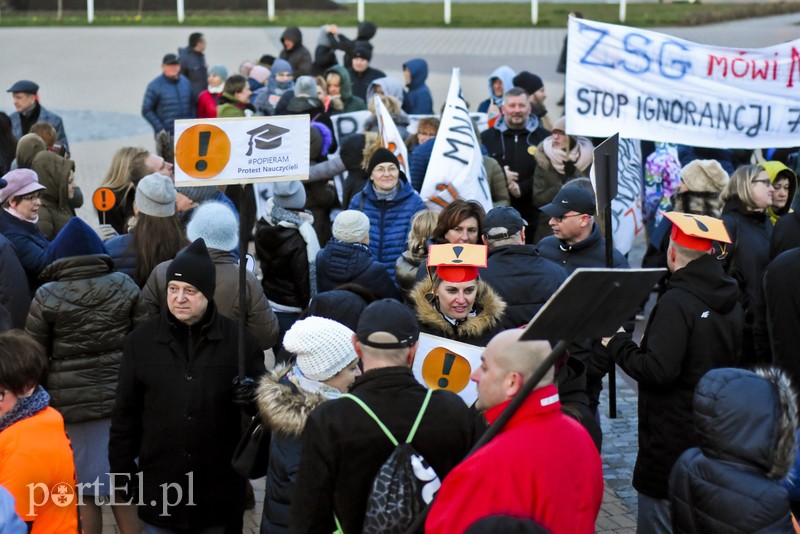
<point x="323" y="347"/>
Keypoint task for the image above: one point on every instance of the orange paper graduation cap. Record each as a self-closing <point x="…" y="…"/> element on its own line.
<point x="696" y="232"/>
<point x="457" y="263"/>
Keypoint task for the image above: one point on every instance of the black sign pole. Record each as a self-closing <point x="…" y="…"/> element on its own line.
<point x="612" y="372"/>
<point x="244" y="234"/>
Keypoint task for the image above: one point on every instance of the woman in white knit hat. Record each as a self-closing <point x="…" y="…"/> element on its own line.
<point x="326" y="365"/>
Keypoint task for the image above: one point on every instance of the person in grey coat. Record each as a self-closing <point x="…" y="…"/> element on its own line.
<point x="30" y="111"/>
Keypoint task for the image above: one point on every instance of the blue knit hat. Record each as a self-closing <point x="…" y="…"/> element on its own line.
<point x="76" y="239"/>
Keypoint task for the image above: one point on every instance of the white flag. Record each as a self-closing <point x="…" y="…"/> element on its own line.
<point x="390" y="135"/>
<point x="456" y="167"/>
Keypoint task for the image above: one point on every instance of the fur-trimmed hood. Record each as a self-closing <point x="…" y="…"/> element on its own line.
<point x="747" y="417"/>
<point x="488" y="304"/>
<point x="282" y="407"/>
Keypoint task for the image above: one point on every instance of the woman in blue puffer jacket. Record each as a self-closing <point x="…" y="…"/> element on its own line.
<point x="390" y="202"/>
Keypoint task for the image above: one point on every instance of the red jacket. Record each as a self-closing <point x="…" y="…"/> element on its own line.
<point x="207" y="105"/>
<point x="543" y="465"/>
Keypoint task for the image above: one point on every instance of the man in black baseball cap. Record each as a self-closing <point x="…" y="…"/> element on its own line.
<point x="343" y="447"/>
<point x="387" y="324"/>
<point x="29" y="111"/>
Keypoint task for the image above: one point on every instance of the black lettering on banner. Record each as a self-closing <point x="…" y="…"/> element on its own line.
<point x="793" y="124"/>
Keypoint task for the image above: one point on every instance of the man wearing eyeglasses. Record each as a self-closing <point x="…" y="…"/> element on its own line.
<point x="576" y="240"/>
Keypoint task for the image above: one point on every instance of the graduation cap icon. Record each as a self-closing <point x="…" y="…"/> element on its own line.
<point x="265" y="137"/>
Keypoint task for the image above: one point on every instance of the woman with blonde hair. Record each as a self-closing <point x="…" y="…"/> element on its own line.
<point x="746" y="198"/>
<point x="407" y="265"/>
<point x="127" y="168"/>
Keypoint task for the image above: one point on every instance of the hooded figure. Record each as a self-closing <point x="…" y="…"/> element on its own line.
<point x="294" y="52"/>
<point x="54" y="173"/>
<point x="505" y="75"/>
<point x="389" y="85"/>
<point x="28" y="146"/>
<point x="345" y="101"/>
<point x="418" y="99"/>
<point x="266" y="99"/>
<point x="366" y="31"/>
<point x="745" y="422"/>
<point x="778" y="172"/>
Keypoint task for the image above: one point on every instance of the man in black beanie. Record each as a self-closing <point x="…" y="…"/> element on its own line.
<point x="177" y="408"/>
<point x="534" y="86"/>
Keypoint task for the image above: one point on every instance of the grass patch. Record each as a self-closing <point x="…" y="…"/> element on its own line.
<point x="420" y="15"/>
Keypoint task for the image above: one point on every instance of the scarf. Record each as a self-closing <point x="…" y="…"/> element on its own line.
<point x="306" y="385"/>
<point x="26" y="407"/>
<point x="580" y="155"/>
<point x="20" y="216"/>
<point x="216" y="89"/>
<point x="278" y="216"/>
<point x="386" y="195"/>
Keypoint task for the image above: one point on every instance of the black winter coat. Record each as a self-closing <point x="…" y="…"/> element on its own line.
<point x="782" y="295"/>
<point x="786" y="234"/>
<point x="695" y="326"/>
<point x="591" y="252"/>
<point x="747" y="258"/>
<point x="523" y="279"/>
<point x="284" y="262"/>
<point x="174" y="412"/>
<point x="511" y="147"/>
<point x="343" y="447"/>
<point x="340" y="263"/>
<point x="14" y="294"/>
<point x="285" y="410"/>
<point x="81" y="317"/>
<point x="731" y="483"/>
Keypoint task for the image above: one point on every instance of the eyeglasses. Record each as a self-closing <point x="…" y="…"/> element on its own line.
<point x="386" y="170"/>
<point x="764" y="181"/>
<point x="31" y="196"/>
<point x="559" y="219"/>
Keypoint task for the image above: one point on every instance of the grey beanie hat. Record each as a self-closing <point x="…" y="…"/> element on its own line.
<point x="199" y="194"/>
<point x="351" y="226"/>
<point x="289" y="195"/>
<point x="216" y="224"/>
<point x="155" y="196"/>
<point x="219" y="70"/>
<point x="305" y="86"/>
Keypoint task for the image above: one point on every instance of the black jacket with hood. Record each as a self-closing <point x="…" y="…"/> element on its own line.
<point x="695" y="326"/>
<point x="298" y="57"/>
<point x="745" y="424"/>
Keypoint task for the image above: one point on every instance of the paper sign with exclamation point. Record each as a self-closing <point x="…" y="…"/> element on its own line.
<point x="104" y="199"/>
<point x="203" y="151"/>
<point x="444" y="369"/>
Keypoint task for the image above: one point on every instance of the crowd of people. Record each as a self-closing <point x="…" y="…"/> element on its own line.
<point x="124" y="376"/>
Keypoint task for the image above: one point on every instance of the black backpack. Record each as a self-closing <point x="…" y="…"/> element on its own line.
<point x="404" y="484"/>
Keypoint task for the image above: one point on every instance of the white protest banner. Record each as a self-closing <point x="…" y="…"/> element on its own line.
<point x="345" y="124"/>
<point x="241" y="150"/>
<point x="456" y="166"/>
<point x="649" y="85"/>
<point x="390" y="136"/>
<point x="626" y="207"/>
<point x="442" y="363"/>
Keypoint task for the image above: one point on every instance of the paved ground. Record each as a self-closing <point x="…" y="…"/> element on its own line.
<point x="95" y="78"/>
